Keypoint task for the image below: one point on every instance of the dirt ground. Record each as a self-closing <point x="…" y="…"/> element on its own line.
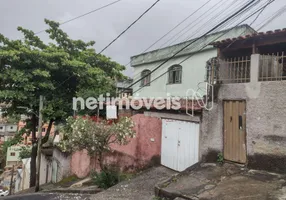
<point x="226" y="182"/>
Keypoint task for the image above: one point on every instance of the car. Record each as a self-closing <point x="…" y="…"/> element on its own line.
<point x="4" y="193"/>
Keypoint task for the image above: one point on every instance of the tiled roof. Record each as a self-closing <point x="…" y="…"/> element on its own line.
<point x="251" y="36"/>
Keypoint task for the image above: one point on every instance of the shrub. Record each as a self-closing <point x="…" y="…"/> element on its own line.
<point x="105" y="179"/>
<point x="220" y="158"/>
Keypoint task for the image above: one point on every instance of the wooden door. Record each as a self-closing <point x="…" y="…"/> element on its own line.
<point x="235" y="131"/>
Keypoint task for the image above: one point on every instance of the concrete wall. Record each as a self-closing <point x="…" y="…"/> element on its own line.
<point x="63" y="161"/>
<point x="141" y="151"/>
<point x="8" y="127"/>
<point x="265" y="122"/>
<point x="45" y="169"/>
<point x="193" y="69"/>
<point x="13" y="159"/>
<point x="26" y="173"/>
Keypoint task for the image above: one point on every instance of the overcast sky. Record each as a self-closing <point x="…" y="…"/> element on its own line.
<point x="104" y="25"/>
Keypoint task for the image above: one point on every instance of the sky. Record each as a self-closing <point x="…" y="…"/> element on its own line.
<point x="103" y="26"/>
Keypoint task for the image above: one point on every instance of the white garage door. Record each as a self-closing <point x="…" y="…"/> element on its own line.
<point x="180" y="144"/>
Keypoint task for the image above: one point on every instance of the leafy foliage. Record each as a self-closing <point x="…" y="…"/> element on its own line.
<point x="25" y="152"/>
<point x="60" y="70"/>
<point x="220" y="158"/>
<point x="96" y="137"/>
<point x="105" y="179"/>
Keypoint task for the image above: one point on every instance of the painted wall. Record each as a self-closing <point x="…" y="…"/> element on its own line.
<point x="8" y="128"/>
<point x="193" y="69"/>
<point x="193" y="72"/>
<point x="45" y="169"/>
<point x="142" y="151"/>
<point x="63" y="161"/>
<point x="13" y="159"/>
<point x="26" y="173"/>
<point x="265" y="123"/>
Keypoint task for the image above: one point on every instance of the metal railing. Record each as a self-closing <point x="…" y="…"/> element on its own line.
<point x="272" y="67"/>
<point x="232" y="70"/>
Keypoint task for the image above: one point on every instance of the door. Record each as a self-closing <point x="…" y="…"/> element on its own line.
<point x="235" y="131"/>
<point x="180" y="144"/>
<point x="54" y="171"/>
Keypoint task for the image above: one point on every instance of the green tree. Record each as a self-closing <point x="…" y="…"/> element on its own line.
<point x="60" y="70"/>
<point x="96" y="137"/>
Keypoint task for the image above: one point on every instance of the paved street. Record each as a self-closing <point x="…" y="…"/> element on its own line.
<point x="46" y="196"/>
<point x="140" y="187"/>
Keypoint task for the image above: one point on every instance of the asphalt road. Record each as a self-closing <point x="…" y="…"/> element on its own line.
<point x="47" y="196"/>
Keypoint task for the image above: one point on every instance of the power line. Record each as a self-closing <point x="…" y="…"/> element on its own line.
<point x="75" y="18"/>
<point x="199" y="22"/>
<point x="206" y="23"/>
<point x="170" y="32"/>
<point x="249" y="25"/>
<point x="116" y="37"/>
<point x="271" y="1"/>
<point x="198" y="28"/>
<point x="217" y="16"/>
<point x="174" y="55"/>
<point x="129" y="26"/>
<point x="177" y="25"/>
<point x="277" y="14"/>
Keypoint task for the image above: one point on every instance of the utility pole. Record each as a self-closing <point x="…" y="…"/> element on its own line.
<point x="11" y="182"/>
<point x="38" y="164"/>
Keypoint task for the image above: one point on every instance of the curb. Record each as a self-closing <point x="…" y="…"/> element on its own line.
<point x="163" y="193"/>
<point x="74" y="191"/>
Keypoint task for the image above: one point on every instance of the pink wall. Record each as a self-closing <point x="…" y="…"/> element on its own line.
<point x="141" y="150"/>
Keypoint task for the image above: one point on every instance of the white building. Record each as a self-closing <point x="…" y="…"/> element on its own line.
<point x="181" y="77"/>
<point x="7" y="131"/>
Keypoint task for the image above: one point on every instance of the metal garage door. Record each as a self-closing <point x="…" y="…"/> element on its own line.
<point x="180" y="144"/>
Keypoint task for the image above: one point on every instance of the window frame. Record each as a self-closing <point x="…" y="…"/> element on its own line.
<point x="146" y="81"/>
<point x="175" y="72"/>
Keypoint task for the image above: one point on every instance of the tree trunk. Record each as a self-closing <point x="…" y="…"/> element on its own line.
<point x="47" y="135"/>
<point x="100" y="160"/>
<point x="33" y="153"/>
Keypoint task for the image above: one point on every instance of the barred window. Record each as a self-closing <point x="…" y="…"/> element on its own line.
<point x="146" y="78"/>
<point x="175" y="74"/>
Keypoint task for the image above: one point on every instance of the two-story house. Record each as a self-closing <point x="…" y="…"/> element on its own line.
<point x="185" y="71"/>
<point x="247" y="122"/>
<point x="179" y="131"/>
<point x="7" y="131"/>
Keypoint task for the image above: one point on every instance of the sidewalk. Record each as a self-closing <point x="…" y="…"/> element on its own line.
<point x="211" y="181"/>
<point x="140" y="187"/>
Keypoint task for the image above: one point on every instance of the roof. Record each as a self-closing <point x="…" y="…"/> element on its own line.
<point x="196" y="46"/>
<point x="257" y="35"/>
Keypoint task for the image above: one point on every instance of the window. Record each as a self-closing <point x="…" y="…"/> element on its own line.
<point x="175" y="74"/>
<point x="12" y="154"/>
<point x="147" y="78"/>
<point x="1" y="127"/>
<point x="11" y="127"/>
<point x="43" y="130"/>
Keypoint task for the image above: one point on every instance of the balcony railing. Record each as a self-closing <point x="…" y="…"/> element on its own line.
<point x="233" y="70"/>
<point x="272" y="67"/>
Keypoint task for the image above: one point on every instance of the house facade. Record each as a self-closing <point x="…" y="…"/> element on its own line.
<point x="183" y="72"/>
<point x="7" y="131"/>
<point x="179" y="135"/>
<point x="247" y="121"/>
<point x="12" y="157"/>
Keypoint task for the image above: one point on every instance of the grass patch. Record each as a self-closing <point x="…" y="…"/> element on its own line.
<point x="68" y="181"/>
